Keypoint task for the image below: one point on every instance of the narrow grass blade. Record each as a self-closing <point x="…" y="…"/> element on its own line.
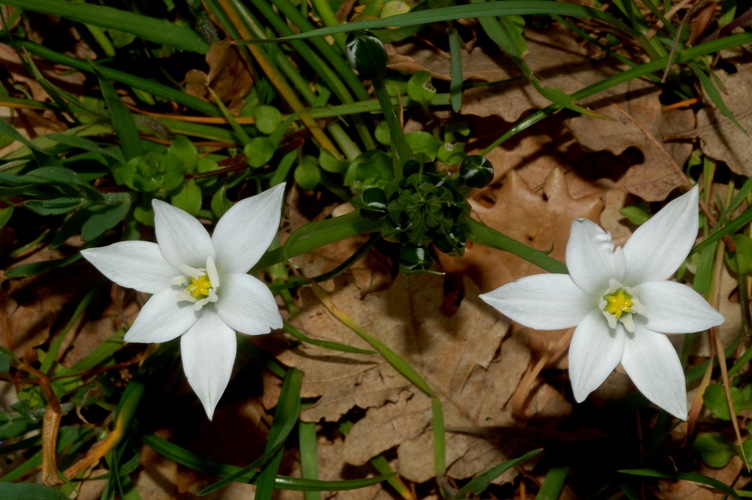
<point x="154" y="30"/>
<point x="122" y="121"/>
<point x="452" y="13"/>
<point x="479" y="483"/>
<point x="195" y="462"/>
<point x="685" y="476"/>
<point x="285" y="418"/>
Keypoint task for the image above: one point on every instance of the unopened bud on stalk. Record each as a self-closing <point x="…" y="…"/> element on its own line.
<point x="366" y="54"/>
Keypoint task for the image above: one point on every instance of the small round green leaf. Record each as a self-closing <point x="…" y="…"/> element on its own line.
<point x="259" y="151"/>
<point x="267" y="119"/>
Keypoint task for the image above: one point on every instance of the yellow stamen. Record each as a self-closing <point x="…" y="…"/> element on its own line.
<point x="200" y="287"/>
<point x="618" y="303"/>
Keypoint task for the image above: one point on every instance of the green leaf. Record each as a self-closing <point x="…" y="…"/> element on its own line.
<point x="105" y="220"/>
<point x="334" y="346"/>
<point x="685" y="476"/>
<point x="715" y="450"/>
<point x="148" y="28"/>
<point x="479" y="483"/>
<point x="331" y="164"/>
<point x="634" y="214"/>
<point x="420" y="88"/>
<point x="9" y="491"/>
<point x="285" y="417"/>
<point x="55" y="175"/>
<point x="307" y="174"/>
<point x="714" y="398"/>
<point x="188" y="198"/>
<point x="740" y="261"/>
<point x="40" y="267"/>
<point x="122" y="120"/>
<point x="55" y="206"/>
<point x="220" y="203"/>
<point x="267" y="119"/>
<point x="259" y="151"/>
<point x="424" y="142"/>
<point x="184" y="149"/>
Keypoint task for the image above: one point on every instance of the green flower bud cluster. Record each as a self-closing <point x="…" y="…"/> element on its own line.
<point x="424" y="209"/>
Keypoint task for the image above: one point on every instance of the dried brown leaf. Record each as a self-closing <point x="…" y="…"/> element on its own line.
<point x="539" y="219"/>
<point x="638" y="121"/>
<point x="462" y="357"/>
<point x="229" y="76"/>
<point x="722" y="139"/>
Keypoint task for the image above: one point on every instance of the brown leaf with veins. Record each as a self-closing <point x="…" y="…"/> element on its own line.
<point x="637" y="120"/>
<point x="540" y="220"/>
<point x="229" y="76"/>
<point x="462" y="357"/>
<point x="722" y="139"/>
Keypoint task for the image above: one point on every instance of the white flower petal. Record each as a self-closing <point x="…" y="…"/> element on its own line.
<point x="652" y="364"/>
<point x="246" y="305"/>
<point x="675" y="308"/>
<point x="245" y="232"/>
<point x="659" y="246"/>
<point x="594" y="353"/>
<point x="181" y="237"/>
<point x="543" y="301"/>
<point x="208" y="351"/>
<point x="162" y="319"/>
<point x="591" y="259"/>
<point x="133" y="264"/>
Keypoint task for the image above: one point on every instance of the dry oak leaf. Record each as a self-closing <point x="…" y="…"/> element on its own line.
<point x="229" y="76"/>
<point x="461" y="357"/>
<point x="637" y="120"/>
<point x="541" y="220"/>
<point x="722" y="139"/>
<point x="555" y="57"/>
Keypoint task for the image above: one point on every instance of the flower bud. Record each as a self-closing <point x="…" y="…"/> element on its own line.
<point x="476" y="171"/>
<point x="366" y="54"/>
<point x="414" y="259"/>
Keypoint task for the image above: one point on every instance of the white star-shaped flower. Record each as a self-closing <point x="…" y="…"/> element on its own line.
<point x="621" y="303"/>
<point x="201" y="290"/>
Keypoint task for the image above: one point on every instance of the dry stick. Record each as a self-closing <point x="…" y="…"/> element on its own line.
<point x="50" y="426"/>
<point x="722" y="362"/>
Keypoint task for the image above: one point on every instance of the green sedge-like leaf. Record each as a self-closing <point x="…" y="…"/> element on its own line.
<point x="729" y="228"/>
<point x="122" y="120"/>
<point x="454" y="12"/>
<point x="148" y="28"/>
<point x="334" y="346"/>
<point x="40" y="267"/>
<point x="55" y="206"/>
<point x="480" y="482"/>
<point x="685" y="476"/>
<point x="30" y="492"/>
<point x="484" y="235"/>
<point x="285" y="418"/>
<point x="455" y="86"/>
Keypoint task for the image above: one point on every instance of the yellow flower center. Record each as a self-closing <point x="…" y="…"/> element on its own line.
<point x="618" y="303"/>
<point x="200" y="287"/>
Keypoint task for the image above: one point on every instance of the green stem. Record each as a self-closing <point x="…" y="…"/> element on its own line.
<point x="480" y="233"/>
<point x="400" y="149"/>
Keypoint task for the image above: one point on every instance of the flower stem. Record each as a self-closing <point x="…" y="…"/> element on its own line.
<point x="480" y="233"/>
<point x="400" y="149"/>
